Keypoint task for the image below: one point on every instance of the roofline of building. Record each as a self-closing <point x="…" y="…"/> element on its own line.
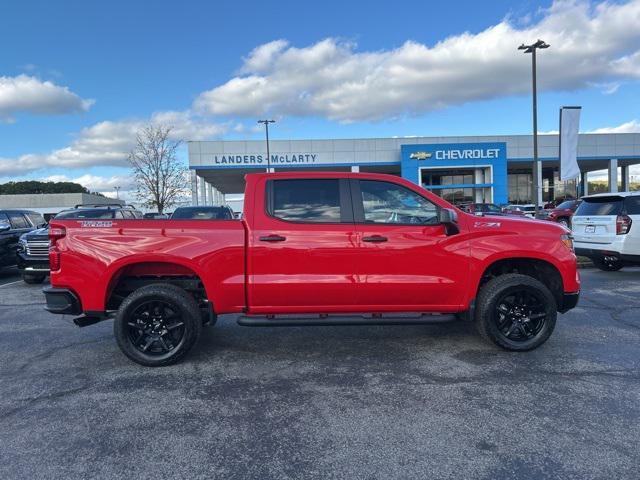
<point x="522" y="135"/>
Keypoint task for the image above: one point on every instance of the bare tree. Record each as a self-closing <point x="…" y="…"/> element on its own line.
<point x="160" y="177"/>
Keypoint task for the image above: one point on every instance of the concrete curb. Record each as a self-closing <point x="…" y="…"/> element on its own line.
<point x="584" y="262"/>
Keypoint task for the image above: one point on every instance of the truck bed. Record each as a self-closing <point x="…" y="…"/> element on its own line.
<point x="212" y="250"/>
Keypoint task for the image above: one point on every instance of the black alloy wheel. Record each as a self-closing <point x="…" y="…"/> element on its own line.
<point x="520" y="314"/>
<point x="156" y="328"/>
<point x="157" y="324"/>
<point x="516" y="312"/>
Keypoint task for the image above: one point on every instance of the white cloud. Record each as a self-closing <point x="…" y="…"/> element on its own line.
<point x="96" y="183"/>
<point x="186" y="126"/>
<point x="29" y="94"/>
<point x="108" y="143"/>
<point x="589" y="45"/>
<point x="632" y="126"/>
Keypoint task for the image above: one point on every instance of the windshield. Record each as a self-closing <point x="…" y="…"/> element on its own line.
<point x="600" y="206"/>
<point x="491" y="208"/>
<point x="202" y="213"/>
<point x="89" y="213"/>
<point x="567" y="204"/>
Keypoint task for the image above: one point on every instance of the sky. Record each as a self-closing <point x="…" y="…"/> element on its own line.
<point x="78" y="78"/>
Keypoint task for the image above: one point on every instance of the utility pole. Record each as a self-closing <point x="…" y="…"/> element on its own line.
<point x="537" y="167"/>
<point x="266" y="130"/>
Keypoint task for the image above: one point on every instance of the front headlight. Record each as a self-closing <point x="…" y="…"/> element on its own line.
<point x="567" y="240"/>
<point x="22" y="245"/>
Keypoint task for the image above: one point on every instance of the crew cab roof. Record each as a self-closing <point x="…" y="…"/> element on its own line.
<point x="327" y="174"/>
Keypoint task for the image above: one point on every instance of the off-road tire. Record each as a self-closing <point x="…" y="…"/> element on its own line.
<point x="33" y="279"/>
<point x="486" y="317"/>
<point x="180" y="300"/>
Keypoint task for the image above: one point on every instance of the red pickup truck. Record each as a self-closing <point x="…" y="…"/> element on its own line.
<point x="311" y="245"/>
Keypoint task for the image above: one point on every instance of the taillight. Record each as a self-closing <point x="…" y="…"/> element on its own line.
<point x="56" y="233"/>
<point x="623" y="224"/>
<point x="54" y="258"/>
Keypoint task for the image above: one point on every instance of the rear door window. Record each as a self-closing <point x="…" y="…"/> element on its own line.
<point x="307" y="201"/>
<point x="632" y="205"/>
<point x="600" y="206"/>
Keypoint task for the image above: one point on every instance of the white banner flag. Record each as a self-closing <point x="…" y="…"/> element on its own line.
<point x="569" y="128"/>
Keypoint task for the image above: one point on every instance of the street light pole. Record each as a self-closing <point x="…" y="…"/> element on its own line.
<point x="537" y="168"/>
<point x="117" y="189"/>
<point x="266" y="130"/>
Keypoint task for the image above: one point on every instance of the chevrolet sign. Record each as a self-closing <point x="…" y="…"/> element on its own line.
<point x="420" y="155"/>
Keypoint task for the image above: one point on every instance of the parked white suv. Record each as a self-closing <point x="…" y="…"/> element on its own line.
<point x="606" y="228"/>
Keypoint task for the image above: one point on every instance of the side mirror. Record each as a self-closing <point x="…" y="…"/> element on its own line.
<point x="449" y="218"/>
<point x="4" y="227"/>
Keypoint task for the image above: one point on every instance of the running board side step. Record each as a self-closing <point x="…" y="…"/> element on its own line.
<point x="322" y="321"/>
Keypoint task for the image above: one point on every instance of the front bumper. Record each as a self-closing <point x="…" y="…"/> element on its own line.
<point x="32" y="263"/>
<point x="569" y="301"/>
<point x="62" y="301"/>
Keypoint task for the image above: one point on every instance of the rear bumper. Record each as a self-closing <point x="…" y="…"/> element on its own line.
<point x="598" y="254"/>
<point x="61" y="301"/>
<point x="569" y="301"/>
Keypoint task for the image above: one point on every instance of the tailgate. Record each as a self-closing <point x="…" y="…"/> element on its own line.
<point x="597" y="229"/>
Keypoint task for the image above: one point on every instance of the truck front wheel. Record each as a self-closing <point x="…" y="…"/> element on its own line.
<point x="516" y="312"/>
<point x="157" y="325"/>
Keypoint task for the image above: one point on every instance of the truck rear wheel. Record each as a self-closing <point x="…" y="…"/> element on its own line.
<point x="516" y="312"/>
<point x="157" y="325"/>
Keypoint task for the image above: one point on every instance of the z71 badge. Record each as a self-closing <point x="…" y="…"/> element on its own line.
<point x="96" y="223"/>
<point x="487" y="224"/>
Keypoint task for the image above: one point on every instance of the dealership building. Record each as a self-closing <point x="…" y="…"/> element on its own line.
<point x="495" y="169"/>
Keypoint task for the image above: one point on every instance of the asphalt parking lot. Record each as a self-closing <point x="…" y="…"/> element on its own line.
<point x="9" y="275"/>
<point x="326" y="402"/>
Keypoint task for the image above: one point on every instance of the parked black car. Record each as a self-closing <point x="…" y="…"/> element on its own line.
<point x="13" y="224"/>
<point x="108" y="210"/>
<point x="33" y="246"/>
<point x="155" y="216"/>
<point x="33" y="255"/>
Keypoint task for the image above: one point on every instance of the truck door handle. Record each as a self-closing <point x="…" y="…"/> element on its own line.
<point x="375" y="239"/>
<point x="273" y="238"/>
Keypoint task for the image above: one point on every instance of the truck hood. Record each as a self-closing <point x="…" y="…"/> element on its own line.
<point x="39" y="235"/>
<point x="521" y="225"/>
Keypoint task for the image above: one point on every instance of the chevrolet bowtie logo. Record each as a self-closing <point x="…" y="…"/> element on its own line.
<point x="420" y="155"/>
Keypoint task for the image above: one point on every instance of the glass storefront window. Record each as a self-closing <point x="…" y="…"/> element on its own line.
<point x="519" y="187"/>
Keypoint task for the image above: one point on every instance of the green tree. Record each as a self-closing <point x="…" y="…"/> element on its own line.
<point x="31" y="187"/>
